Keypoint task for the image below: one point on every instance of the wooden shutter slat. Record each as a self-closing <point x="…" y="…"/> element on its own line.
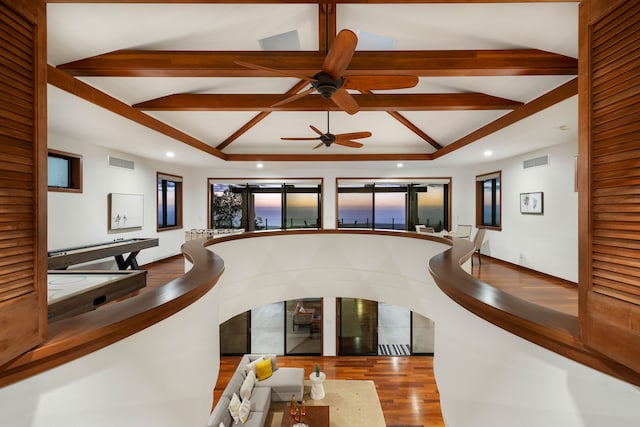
<point x="627" y="244"/>
<point x="23" y="311"/>
<point x="17" y="23"/>
<point x="602" y="29"/>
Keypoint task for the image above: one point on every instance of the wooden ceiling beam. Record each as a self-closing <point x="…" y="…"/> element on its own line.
<point x="302" y="1"/>
<point x="68" y="83"/>
<point x="257" y="118"/>
<point x="543" y="102"/>
<point x="367" y="102"/>
<point x="327" y="157"/>
<point x="157" y="63"/>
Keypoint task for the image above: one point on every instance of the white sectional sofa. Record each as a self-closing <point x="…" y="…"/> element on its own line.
<point x="279" y="386"/>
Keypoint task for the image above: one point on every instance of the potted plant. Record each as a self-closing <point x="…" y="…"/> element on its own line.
<point x="317" y="370"/>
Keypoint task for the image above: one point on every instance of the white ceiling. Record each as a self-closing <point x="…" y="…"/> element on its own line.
<point x="77" y="31"/>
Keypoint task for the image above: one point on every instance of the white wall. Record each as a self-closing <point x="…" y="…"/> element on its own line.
<point x="163" y="376"/>
<point x="488" y="377"/>
<point x="79" y="219"/>
<point x="546" y="243"/>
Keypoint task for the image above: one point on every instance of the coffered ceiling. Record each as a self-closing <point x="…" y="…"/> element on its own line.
<point x="152" y="77"/>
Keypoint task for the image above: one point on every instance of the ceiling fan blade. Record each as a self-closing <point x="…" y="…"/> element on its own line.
<point x="274" y="71"/>
<point x="299" y="139"/>
<point x="340" y="54"/>
<point x="347" y="143"/>
<point x="379" y="82"/>
<point x="318" y="146"/>
<point x="345" y="101"/>
<point x="353" y="135"/>
<point x="294" y="97"/>
<point x="316" y="130"/>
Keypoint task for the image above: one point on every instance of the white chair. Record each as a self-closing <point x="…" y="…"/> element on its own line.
<point x="477" y="244"/>
<point x="463" y="231"/>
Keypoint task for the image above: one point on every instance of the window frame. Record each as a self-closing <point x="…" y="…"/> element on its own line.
<point x="496" y="196"/>
<point x="177" y="180"/>
<point x="75" y="171"/>
<point x="250" y="186"/>
<point x="410" y="188"/>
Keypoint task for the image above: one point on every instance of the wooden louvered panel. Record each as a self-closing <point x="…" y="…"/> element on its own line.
<point x="610" y="224"/>
<point x="22" y="177"/>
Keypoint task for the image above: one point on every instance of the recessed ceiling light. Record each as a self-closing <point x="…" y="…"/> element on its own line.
<point x="170" y="154"/>
<point x="400" y="165"/>
<point x="259" y="165"/>
<point x="488" y="153"/>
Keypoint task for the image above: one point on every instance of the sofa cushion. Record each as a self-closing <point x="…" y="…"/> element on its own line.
<point x="220" y="413"/>
<point x="234" y="385"/>
<point x="245" y="409"/>
<point x="272" y="356"/>
<point x="251" y="366"/>
<point x="283" y="383"/>
<point x="263" y="369"/>
<point x="234" y="408"/>
<point x="260" y="399"/>
<point x="247" y="385"/>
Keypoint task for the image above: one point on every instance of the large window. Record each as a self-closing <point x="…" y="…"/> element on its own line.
<point x="265" y="204"/>
<point x="398" y="204"/>
<point x="169" y="201"/>
<point x="64" y="171"/>
<point x="488" y="201"/>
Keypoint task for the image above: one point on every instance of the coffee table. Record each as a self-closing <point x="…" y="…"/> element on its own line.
<point x="317" y="416"/>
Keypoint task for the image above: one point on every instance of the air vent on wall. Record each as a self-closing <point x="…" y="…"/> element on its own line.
<point x="121" y="163"/>
<point x="535" y="162"/>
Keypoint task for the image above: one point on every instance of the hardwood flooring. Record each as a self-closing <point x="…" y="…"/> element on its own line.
<point x="551" y="292"/>
<point x="406" y="385"/>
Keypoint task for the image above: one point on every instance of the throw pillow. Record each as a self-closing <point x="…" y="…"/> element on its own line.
<point x="234" y="408"/>
<point x="222" y="425"/>
<point x="252" y="366"/>
<point x="247" y="385"/>
<point x="245" y="408"/>
<point x="263" y="369"/>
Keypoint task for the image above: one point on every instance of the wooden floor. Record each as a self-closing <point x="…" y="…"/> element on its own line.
<point x="406" y="385"/>
<point x="529" y="285"/>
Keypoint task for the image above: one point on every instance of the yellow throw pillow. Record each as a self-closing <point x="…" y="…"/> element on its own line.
<point x="263" y="369"/>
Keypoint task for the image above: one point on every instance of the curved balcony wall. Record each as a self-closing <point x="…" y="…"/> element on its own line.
<point x="163" y="374"/>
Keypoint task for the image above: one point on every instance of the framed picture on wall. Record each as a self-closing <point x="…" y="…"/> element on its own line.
<point x="531" y="203"/>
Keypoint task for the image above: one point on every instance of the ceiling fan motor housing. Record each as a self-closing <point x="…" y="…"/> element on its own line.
<point x="325" y="85"/>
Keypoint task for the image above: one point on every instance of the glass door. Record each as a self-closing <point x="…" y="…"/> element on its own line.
<point x="303" y="326"/>
<point x="358" y="327"/>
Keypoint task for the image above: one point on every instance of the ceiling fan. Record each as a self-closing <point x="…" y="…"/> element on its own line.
<point x="330" y="82"/>
<point x="326" y="139"/>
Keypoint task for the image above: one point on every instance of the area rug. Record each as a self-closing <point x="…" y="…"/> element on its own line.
<point x="351" y="403"/>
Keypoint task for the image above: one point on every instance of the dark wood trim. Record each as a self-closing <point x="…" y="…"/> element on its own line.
<point x="75" y="160"/>
<point x="88" y="332"/>
<point x="326" y="157"/>
<point x="366" y="101"/>
<point x="72" y="338"/>
<point x="550" y="98"/>
<point x="553" y="330"/>
<point x="172" y="63"/>
<point x="415" y="129"/>
<point x="66" y="82"/>
<point x="257" y="119"/>
<point x="303" y="1"/>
